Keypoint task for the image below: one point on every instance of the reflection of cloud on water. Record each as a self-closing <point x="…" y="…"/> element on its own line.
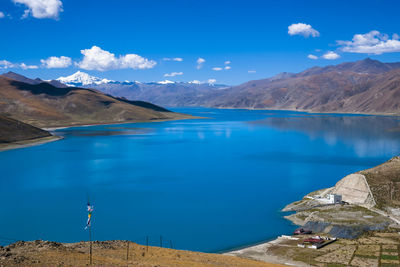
<point x="200" y="135"/>
<point x="330" y="139"/>
<point x="367" y="135"/>
<point x="375" y="147"/>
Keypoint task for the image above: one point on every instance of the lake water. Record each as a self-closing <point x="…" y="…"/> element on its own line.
<point x="206" y="185"/>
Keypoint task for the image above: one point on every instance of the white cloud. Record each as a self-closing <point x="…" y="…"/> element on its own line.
<point x="302" y="29"/>
<point x="373" y="42"/>
<point x="173" y="74"/>
<point x="227" y="67"/>
<point x="227" y="62"/>
<point x="4" y="64"/>
<point x="217" y="68"/>
<point x="96" y="58"/>
<point x="2" y="15"/>
<point x="179" y="59"/>
<point x="41" y="9"/>
<point x="251" y="71"/>
<point x="56" y="62"/>
<point x="331" y="55"/>
<point x="311" y="56"/>
<point x="195" y="82"/>
<point x="211" y="81"/>
<point x="200" y="61"/>
<point x="28" y="67"/>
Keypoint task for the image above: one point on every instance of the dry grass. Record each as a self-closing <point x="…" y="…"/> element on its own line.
<point x="112" y="253"/>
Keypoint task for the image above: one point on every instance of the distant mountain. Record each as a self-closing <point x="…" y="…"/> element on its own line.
<point x="44" y="105"/>
<point x="367" y="66"/>
<point x="17" y="77"/>
<point x="366" y="86"/>
<point x="12" y="131"/>
<point x="21" y="78"/>
<point x="164" y="93"/>
<point x="79" y="79"/>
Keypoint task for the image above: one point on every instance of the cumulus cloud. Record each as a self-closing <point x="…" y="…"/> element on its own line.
<point x="56" y="62"/>
<point x="311" y="56"/>
<point x="217" y="68"/>
<point x="211" y="81"/>
<point x="330" y="55"/>
<point x="372" y="42"/>
<point x="173" y="74"/>
<point x="227" y="62"/>
<point x="27" y="67"/>
<point x="179" y="59"/>
<point x="200" y="61"/>
<point x="302" y="29"/>
<point x="251" y="71"/>
<point x="41" y="9"/>
<point x="4" y="64"/>
<point x="227" y="67"/>
<point x="2" y="15"/>
<point x="96" y="58"/>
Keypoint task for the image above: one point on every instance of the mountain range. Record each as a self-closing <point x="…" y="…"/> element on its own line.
<point x="164" y="93"/>
<point x="365" y="86"/>
<point x="41" y="104"/>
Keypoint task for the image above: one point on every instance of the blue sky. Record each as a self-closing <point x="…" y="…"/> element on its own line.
<point x="252" y="35"/>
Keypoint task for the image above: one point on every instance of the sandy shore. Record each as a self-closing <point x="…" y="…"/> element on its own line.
<point x="28" y="143"/>
<point x="260" y="252"/>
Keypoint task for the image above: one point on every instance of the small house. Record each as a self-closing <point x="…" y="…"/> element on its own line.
<point x="334" y="199"/>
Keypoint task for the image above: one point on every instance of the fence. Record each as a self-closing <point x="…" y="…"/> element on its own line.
<point x="103" y="252"/>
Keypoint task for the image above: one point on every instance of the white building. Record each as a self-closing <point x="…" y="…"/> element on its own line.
<point x="334" y="199"/>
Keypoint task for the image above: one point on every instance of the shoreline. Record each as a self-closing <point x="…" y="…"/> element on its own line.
<point x="184" y="117"/>
<point x="29" y="142"/>
<point x="52" y="138"/>
<point x="260" y="252"/>
<point x="313" y="112"/>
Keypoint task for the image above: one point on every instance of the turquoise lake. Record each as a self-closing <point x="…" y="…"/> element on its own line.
<point x="206" y="184"/>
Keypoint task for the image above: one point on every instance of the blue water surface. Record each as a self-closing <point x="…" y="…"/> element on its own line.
<point x="205" y="184"/>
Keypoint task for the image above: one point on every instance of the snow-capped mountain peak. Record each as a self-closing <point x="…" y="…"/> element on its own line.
<point x="165" y="82"/>
<point x="195" y="82"/>
<point x="80" y="78"/>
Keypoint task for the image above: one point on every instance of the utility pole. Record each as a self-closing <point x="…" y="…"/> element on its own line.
<point x="170" y="243"/>
<point x="147" y="243"/>
<point x="90" y="244"/>
<point x="160" y="240"/>
<point x="127" y="250"/>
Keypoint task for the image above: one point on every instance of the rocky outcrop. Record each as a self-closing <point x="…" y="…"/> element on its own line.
<point x="354" y="189"/>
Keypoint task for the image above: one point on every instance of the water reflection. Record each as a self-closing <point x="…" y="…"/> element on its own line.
<point x="368" y="135"/>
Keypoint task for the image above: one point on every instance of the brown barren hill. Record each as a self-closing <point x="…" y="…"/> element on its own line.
<point x="13" y="131"/>
<point x="365" y="86"/>
<point x="384" y="182"/>
<point x="44" y="105"/>
<point x="113" y="253"/>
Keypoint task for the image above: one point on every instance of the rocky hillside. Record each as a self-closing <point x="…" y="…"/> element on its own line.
<point x="44" y="105"/>
<point x="366" y="86"/>
<point x="384" y="181"/>
<point x="112" y="253"/>
<point x="13" y="131"/>
<point x="370" y="202"/>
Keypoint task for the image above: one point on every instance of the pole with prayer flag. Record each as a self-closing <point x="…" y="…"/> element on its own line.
<point x="89" y="226"/>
